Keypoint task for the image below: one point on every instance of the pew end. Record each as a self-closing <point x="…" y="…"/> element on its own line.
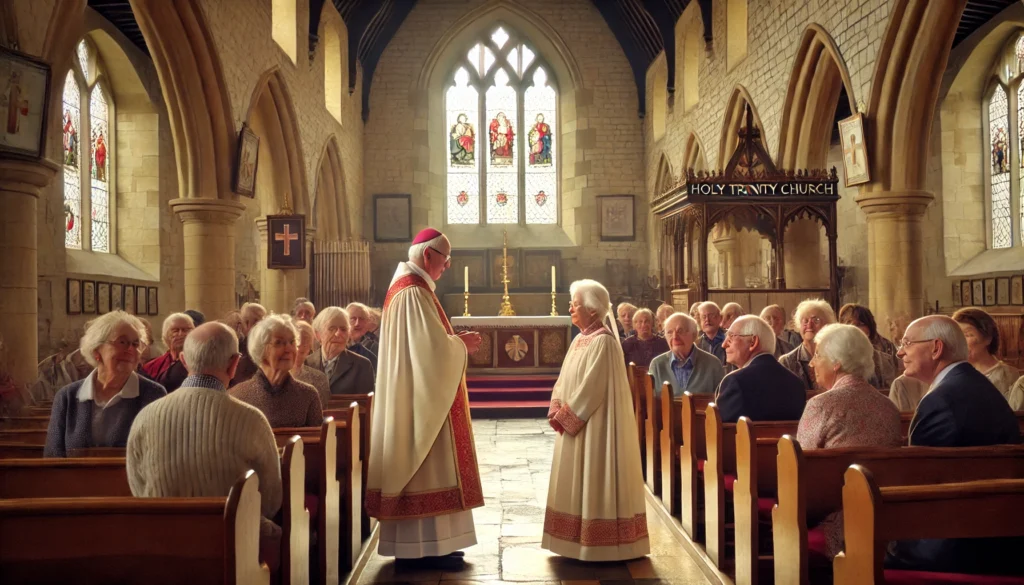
<point x="671" y="438"/>
<point x="652" y="434"/>
<point x="295" y="516"/>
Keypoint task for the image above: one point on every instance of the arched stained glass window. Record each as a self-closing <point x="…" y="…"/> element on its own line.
<point x="501" y="117"/>
<point x="999" y="154"/>
<point x="71" y="119"/>
<point x="83" y="58"/>
<point x="100" y="200"/>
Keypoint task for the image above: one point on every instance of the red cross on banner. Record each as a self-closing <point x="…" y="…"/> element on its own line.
<point x="286" y="245"/>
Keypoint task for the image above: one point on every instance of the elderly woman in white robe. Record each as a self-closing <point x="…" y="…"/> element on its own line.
<point x="595" y="509"/>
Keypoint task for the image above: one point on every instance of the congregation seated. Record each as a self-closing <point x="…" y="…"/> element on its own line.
<point x="168" y="369"/>
<point x="906" y="392"/>
<point x="284" y="400"/>
<point x="761" y="389"/>
<point x="347" y="372"/>
<point x="625" y="312"/>
<point x="961" y="409"/>
<point x="775" y="317"/>
<point x="862" y="318"/>
<point x="225" y="437"/>
<point x="301" y="370"/>
<point x="98" y="410"/>
<point x="249" y="315"/>
<point x="359" y="342"/>
<point x="982" y="335"/>
<point x="685" y="367"/>
<point x="730" y="311"/>
<point x="695" y="311"/>
<point x="643" y="346"/>
<point x="664" y="311"/>
<point x="304" y="310"/>
<point x="712" y="335"/>
<point x="197" y="317"/>
<point x="811" y="315"/>
<point x="850" y="413"/>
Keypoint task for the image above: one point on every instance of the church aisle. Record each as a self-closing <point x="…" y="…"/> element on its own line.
<point x="515" y="461"/>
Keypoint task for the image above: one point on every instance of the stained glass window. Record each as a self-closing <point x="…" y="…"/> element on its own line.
<point x="99" y="171"/>
<point x="500" y="116"/>
<point x="998" y="115"/>
<point x="72" y="163"/>
<point x="1019" y="53"/>
<point x="83" y="58"/>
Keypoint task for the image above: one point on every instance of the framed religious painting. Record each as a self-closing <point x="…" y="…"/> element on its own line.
<point x="102" y="298"/>
<point x="957" y="299"/>
<point x="88" y="297"/>
<point x="129" y="299"/>
<point x="74" y="296"/>
<point x="392" y="218"/>
<point x="140" y="301"/>
<point x="153" y="305"/>
<point x="977" y="293"/>
<point x="245" y="166"/>
<point x="616" y="219"/>
<point x="1017" y="290"/>
<point x="855" y="154"/>
<point x="286" y="245"/>
<point x="116" y="296"/>
<point x="966" y="293"/>
<point x="990" y="292"/>
<point x="1003" y="291"/>
<point x="26" y="82"/>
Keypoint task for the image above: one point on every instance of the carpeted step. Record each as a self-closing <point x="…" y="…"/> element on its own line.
<point x="510" y="381"/>
<point x="509" y="409"/>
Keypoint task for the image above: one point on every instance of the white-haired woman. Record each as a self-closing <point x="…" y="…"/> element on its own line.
<point x="168" y="370"/>
<point x="98" y="410"/>
<point x="625" y="312"/>
<point x="595" y="473"/>
<point x="304" y="310"/>
<point x="359" y="342"/>
<point x="644" y="346"/>
<point x="850" y="413"/>
<point x="284" y="400"/>
<point x="304" y="372"/>
<point x="347" y="372"/>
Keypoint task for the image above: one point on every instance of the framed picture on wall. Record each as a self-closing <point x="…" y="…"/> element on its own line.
<point x="116" y="296"/>
<point x="957" y="299"/>
<point x="245" y="167"/>
<point x="140" y="301"/>
<point x="616" y="218"/>
<point x="966" y="296"/>
<point x="977" y="293"/>
<point x="855" y="154"/>
<point x="990" y="292"/>
<point x="89" y="297"/>
<point x="129" y="299"/>
<point x="27" y="83"/>
<point x="153" y="306"/>
<point x="1003" y="291"/>
<point x="103" y="297"/>
<point x="74" y="296"/>
<point x="392" y="218"/>
<point x="1017" y="290"/>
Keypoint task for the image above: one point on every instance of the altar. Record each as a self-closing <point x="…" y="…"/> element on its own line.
<point x="521" y="345"/>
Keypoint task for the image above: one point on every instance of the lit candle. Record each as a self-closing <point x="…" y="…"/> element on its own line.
<point x="467" y="278"/>
<point x="552" y="279"/>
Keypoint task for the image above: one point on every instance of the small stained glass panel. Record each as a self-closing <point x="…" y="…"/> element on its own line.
<point x="502" y="197"/>
<point x="463" y="198"/>
<point x="999" y="153"/>
<point x="462" y="106"/>
<point x="541" y="198"/>
<point x="1019" y="53"/>
<point x="488" y="57"/>
<point x="501" y="125"/>
<point x="500" y="37"/>
<point x="100" y="168"/>
<point x="71" y="106"/>
<point x="83" y="58"/>
<point x="473" y="56"/>
<point x="72" y="209"/>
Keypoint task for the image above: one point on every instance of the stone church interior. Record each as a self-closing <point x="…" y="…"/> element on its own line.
<point x="799" y="222"/>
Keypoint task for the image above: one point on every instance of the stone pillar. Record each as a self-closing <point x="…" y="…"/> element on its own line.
<point x="20" y="183"/>
<point x="209" y="238"/>
<point x="804" y="267"/>
<point x="728" y="248"/>
<point x="895" y="253"/>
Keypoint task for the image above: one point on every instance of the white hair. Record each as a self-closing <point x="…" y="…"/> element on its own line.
<point x="946" y="330"/>
<point x="169" y="321"/>
<point x="644" y="312"/>
<point x="708" y="305"/>
<point x="99" y="330"/>
<point x="300" y="302"/>
<point x="813" y="305"/>
<point x="757" y="327"/>
<point x="416" y="251"/>
<point x="262" y="332"/>
<point x="303" y="328"/>
<point x="733" y="307"/>
<point x="594" y="297"/>
<point x="847" y="347"/>
<point x="688" y="322"/>
<point x="628" y="306"/>
<point x="326" y="316"/>
<point x="773" y="309"/>
<point x="365" y="309"/>
<point x="210" y="353"/>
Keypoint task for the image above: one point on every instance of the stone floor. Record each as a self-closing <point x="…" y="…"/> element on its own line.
<point x="515" y="460"/>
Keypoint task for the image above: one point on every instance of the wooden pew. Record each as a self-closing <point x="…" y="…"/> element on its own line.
<point x="134" y="540"/>
<point x="90" y="452"/>
<point x="365" y="403"/>
<point x="652" y="433"/>
<point x="24" y="436"/>
<point x="671" y="439"/>
<point x="294" y="515"/>
<point x="350" y="476"/>
<point x="9" y="450"/>
<point x="875" y="515"/>
<point x="692" y="453"/>
<point x="721" y="473"/>
<point x="810" y="486"/>
<point x="25" y="422"/>
<point x="63" y="478"/>
<point x="38" y="410"/>
<point x="636" y="373"/>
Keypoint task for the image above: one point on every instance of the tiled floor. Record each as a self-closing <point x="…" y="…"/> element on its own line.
<point x="515" y="460"/>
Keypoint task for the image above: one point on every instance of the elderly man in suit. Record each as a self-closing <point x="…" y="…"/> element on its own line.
<point x="961" y="409"/>
<point x="347" y="372"/>
<point x="685" y="366"/>
<point x="761" y="388"/>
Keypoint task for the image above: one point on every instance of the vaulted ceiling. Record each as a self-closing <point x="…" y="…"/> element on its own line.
<point x="644" y="28"/>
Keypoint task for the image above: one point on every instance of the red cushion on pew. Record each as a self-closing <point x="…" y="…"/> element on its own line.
<point x="729" y="480"/>
<point x="700" y="465"/>
<point x="894" y="577"/>
<point x="764" y="508"/>
<point x="312" y="504"/>
<point x="816" y="545"/>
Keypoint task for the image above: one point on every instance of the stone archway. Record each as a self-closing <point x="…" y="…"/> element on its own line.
<point x="693" y="155"/>
<point x="331" y="214"/>
<point x="734" y="119"/>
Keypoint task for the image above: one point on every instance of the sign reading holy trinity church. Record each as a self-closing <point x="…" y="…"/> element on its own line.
<point x="765" y="189"/>
<point x="286" y="245"/>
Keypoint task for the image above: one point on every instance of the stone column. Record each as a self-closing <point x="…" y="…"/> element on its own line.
<point x="895" y="253"/>
<point x="209" y="238"/>
<point x="804" y="268"/>
<point x="20" y="184"/>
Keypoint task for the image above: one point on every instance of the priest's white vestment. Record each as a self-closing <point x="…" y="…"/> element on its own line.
<point x="423" y="479"/>
<point x="596" y="509"/>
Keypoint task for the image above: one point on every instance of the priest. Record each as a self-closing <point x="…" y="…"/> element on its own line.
<point x="423" y="477"/>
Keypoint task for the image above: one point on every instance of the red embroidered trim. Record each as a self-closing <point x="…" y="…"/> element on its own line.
<point x="405" y="506"/>
<point x="555" y="405"/>
<point x="596" y="532"/>
<point x="470" y="492"/>
<point x="569" y="421"/>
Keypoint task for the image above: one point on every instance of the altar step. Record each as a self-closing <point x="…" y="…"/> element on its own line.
<point x="501" y="397"/>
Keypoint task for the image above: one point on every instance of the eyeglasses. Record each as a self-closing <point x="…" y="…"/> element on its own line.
<point x="124" y="344"/>
<point x="815" y="320"/>
<point x="279" y="343"/>
<point x="730" y="336"/>
<point x="905" y="343"/>
<point x="447" y="258"/>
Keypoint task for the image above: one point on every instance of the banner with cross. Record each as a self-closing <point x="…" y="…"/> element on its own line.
<point x="286" y="245"/>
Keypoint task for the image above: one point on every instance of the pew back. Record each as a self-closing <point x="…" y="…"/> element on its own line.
<point x="25" y="422"/>
<point x="24" y="436"/>
<point x="63" y="478"/>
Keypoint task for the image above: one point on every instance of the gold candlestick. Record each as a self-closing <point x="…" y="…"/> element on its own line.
<point x="465" y="310"/>
<point x="554" y="310"/>
<point x="506" y="304"/>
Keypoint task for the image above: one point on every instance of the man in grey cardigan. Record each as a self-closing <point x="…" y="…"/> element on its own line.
<point x="686" y="367"/>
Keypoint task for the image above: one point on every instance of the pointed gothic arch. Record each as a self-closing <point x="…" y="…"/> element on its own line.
<point x="329" y="202"/>
<point x="734" y="120"/>
<point x="694" y="157"/>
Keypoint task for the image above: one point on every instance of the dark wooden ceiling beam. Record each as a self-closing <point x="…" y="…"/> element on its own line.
<point x="386" y="30"/>
<point x="616" y="19"/>
<point x="666" y="16"/>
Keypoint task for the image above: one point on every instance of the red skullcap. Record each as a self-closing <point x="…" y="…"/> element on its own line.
<point x="426" y="235"/>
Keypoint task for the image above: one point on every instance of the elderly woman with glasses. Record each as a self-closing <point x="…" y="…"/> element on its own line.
<point x="168" y="370"/>
<point x="98" y="410"/>
<point x="284" y="400"/>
